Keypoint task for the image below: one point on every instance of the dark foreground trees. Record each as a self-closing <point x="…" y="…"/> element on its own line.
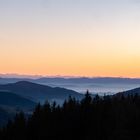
<point x="107" y="118"/>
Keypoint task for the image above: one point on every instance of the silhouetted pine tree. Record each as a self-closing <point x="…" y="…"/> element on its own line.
<point x="98" y="118"/>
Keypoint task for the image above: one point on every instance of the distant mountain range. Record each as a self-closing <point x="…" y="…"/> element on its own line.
<point x="73" y="80"/>
<point x="89" y="80"/>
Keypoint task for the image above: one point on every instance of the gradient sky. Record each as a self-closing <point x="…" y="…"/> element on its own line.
<point x="70" y="37"/>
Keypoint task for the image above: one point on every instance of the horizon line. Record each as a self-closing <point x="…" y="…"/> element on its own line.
<point x="36" y="76"/>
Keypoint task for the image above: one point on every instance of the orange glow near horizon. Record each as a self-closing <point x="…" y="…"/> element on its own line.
<point x="73" y="61"/>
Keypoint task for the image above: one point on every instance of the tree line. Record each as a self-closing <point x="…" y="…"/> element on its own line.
<point x="98" y="118"/>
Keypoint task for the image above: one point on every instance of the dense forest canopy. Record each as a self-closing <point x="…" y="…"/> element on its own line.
<point x="106" y="118"/>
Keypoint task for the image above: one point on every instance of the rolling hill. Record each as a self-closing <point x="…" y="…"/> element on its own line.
<point x="130" y="92"/>
<point x="39" y="93"/>
<point x="12" y="100"/>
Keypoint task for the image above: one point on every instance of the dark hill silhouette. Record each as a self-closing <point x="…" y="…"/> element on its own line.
<point x="4" y="116"/>
<point x="10" y="104"/>
<point x="10" y="99"/>
<point x="132" y="92"/>
<point x="39" y="93"/>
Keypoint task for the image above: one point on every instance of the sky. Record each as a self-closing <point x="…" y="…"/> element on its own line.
<point x="70" y="37"/>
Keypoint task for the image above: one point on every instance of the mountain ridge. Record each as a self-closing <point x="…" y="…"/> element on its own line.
<point x="38" y="92"/>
